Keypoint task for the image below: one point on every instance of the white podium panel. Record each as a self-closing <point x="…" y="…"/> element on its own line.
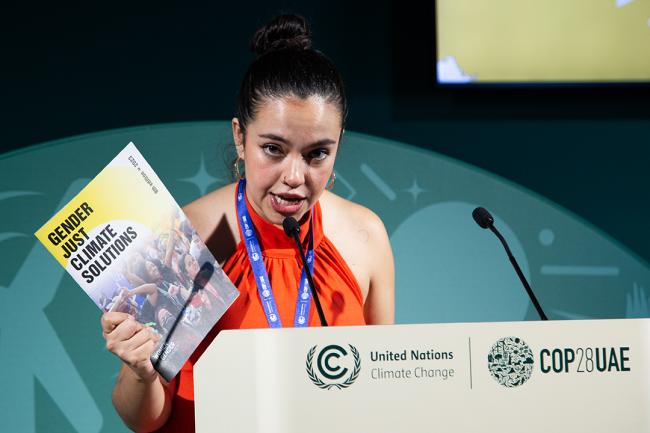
<point x="558" y="376"/>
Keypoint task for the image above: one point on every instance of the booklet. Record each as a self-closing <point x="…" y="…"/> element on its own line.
<point x="130" y="247"/>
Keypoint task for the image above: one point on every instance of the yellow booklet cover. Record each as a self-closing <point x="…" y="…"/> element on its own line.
<point x="127" y="243"/>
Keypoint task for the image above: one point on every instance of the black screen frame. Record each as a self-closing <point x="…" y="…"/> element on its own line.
<point x="417" y="95"/>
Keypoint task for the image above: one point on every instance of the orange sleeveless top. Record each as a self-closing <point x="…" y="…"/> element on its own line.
<point x="338" y="291"/>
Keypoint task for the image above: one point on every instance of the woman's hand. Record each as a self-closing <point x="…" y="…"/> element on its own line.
<point x="172" y="290"/>
<point x="132" y="342"/>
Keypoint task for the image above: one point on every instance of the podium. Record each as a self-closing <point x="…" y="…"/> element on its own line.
<point x="556" y="376"/>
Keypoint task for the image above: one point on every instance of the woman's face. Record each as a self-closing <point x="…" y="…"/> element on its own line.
<point x="191" y="266"/>
<point x="152" y="271"/>
<point x="289" y="153"/>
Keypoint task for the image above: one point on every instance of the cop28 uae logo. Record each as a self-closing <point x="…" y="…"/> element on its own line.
<point x="335" y="368"/>
<point x="510" y="361"/>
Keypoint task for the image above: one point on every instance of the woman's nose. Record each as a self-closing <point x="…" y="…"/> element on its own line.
<point x="294" y="173"/>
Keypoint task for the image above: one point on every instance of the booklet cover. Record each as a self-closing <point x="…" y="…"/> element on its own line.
<point x="127" y="243"/>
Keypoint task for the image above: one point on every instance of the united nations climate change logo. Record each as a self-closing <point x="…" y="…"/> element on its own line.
<point x="510" y="361"/>
<point x="330" y="369"/>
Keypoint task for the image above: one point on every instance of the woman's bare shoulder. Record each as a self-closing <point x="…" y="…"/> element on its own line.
<point x="341" y="216"/>
<point x="357" y="232"/>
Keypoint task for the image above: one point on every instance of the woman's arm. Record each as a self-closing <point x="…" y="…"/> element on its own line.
<point x="143" y="406"/>
<point x="141" y="397"/>
<point x="169" y="249"/>
<point x="149" y="289"/>
<point x="129" y="272"/>
<point x="379" y="308"/>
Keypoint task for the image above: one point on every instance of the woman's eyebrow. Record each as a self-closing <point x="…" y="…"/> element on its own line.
<point x="274" y="137"/>
<point x="322" y="142"/>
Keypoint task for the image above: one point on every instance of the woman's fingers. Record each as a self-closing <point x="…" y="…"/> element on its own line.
<point x="111" y="320"/>
<point x="132" y="342"/>
<point x="138" y="350"/>
<point x="125" y="330"/>
<point x="130" y="346"/>
<point x="142" y="365"/>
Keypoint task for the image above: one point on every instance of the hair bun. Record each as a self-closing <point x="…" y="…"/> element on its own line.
<point x="282" y="32"/>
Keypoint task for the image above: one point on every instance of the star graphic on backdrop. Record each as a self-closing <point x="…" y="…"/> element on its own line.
<point x="202" y="179"/>
<point x="415" y="190"/>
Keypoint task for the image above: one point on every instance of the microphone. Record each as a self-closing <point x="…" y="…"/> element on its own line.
<point x="482" y="217"/>
<point x="200" y="280"/>
<point x="485" y="220"/>
<point x="292" y="229"/>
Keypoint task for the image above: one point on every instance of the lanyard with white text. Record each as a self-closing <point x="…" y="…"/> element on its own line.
<point x="261" y="276"/>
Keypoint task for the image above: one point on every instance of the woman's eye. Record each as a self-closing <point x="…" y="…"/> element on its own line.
<point x="318" y="154"/>
<point x="272" y="149"/>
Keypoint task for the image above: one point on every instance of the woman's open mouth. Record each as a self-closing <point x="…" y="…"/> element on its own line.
<point x="286" y="204"/>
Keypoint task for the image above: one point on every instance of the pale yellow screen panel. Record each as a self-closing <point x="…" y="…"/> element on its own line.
<point x="543" y="40"/>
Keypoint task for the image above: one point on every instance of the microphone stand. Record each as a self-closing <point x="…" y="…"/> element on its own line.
<point x="293" y="230"/>
<point x="520" y="274"/>
<point x="484" y="219"/>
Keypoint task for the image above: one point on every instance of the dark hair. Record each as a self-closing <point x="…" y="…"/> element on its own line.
<point x="182" y="267"/>
<point x="142" y="272"/>
<point x="287" y="65"/>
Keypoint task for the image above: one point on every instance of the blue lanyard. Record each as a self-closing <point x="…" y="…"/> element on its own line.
<point x="262" y="281"/>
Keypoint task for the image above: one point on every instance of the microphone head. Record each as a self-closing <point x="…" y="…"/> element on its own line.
<point x="203" y="277"/>
<point x="290" y="226"/>
<point x="483" y="217"/>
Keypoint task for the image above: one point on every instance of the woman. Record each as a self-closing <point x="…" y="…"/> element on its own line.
<point x="290" y="120"/>
<point x="189" y="267"/>
<point x="167" y="297"/>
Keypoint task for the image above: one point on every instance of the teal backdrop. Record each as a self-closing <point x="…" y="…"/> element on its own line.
<point x="56" y="373"/>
